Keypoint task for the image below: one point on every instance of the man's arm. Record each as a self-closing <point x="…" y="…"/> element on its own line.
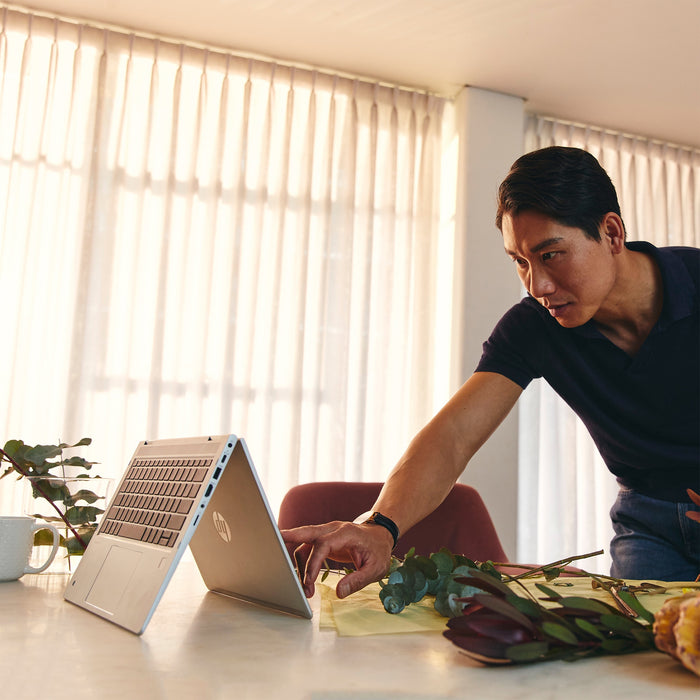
<point x="417" y="485"/>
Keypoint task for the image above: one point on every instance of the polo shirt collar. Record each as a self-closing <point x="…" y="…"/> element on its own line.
<point x="679" y="289"/>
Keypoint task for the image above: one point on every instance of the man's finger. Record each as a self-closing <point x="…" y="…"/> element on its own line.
<point x="355" y="581"/>
<point x="300" y="557"/>
<point x="307" y="533"/>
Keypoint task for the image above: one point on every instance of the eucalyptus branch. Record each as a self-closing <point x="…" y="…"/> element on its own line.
<point x="35" y="485"/>
<point x="534" y="570"/>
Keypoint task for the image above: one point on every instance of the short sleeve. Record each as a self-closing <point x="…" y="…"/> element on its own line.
<point x="514" y="348"/>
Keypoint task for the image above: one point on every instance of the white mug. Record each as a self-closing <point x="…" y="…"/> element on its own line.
<point x="16" y="543"/>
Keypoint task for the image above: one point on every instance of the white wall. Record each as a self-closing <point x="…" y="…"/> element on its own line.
<point x="491" y="131"/>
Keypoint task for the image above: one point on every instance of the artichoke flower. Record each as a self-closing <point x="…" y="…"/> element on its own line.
<point x="677" y="630"/>
<point x="499" y="627"/>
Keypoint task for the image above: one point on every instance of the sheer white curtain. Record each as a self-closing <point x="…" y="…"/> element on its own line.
<point x="197" y="242"/>
<point x="565" y="490"/>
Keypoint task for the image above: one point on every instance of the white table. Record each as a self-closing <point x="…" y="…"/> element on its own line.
<point x="201" y="645"/>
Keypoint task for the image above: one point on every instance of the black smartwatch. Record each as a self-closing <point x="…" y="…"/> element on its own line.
<point x="378" y="519"/>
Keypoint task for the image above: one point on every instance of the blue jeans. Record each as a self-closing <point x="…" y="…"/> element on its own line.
<point x="653" y="539"/>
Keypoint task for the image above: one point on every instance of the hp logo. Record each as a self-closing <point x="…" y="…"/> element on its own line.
<point x="221" y="526"/>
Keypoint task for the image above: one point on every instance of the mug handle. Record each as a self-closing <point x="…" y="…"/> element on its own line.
<point x="56" y="539"/>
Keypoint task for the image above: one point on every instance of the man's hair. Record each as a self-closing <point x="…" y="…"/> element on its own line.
<point x="566" y="184"/>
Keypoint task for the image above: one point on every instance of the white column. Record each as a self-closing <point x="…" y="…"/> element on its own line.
<point x="491" y="128"/>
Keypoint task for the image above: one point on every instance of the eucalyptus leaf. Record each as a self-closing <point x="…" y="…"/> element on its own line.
<point x="420" y="593"/>
<point x="50" y="489"/>
<point x="39" y="454"/>
<point x="82" y="495"/>
<point x="77" y="515"/>
<point x="441" y="604"/>
<point x="394" y="604"/>
<point x="419" y="579"/>
<point x="77" y="462"/>
<point x="486" y="582"/>
<point x="551" y="573"/>
<point x="74" y="547"/>
<point x="81" y="443"/>
<point x="489" y="568"/>
<point x="48" y="518"/>
<point x="461" y="560"/>
<point x="44" y="538"/>
<point x="436" y="584"/>
<point x="13" y="447"/>
<point x="442" y="561"/>
<point x="409" y="577"/>
<point x="395" y="577"/>
<point x="427" y="566"/>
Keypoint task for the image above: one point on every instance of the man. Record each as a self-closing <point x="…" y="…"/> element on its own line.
<point x="614" y="328"/>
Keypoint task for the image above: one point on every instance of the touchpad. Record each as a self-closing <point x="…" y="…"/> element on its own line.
<point x="113" y="579"/>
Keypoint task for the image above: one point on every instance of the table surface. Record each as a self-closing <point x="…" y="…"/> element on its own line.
<point x="203" y="645"/>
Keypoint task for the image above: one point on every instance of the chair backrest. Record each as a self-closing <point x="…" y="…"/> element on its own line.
<point x="461" y="522"/>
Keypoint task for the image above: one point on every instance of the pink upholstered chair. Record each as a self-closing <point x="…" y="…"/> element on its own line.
<point x="461" y="523"/>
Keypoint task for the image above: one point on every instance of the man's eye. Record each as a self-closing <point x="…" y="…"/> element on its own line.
<point x="548" y="256"/>
<point x="519" y="262"/>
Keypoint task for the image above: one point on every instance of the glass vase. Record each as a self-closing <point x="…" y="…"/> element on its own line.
<point x="81" y="501"/>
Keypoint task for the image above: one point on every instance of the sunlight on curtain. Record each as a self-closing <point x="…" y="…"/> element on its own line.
<point x="563" y="480"/>
<point x="195" y="242"/>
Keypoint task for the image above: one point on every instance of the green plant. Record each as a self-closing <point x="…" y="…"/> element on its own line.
<point x="44" y="466"/>
<point x="416" y="576"/>
<point x="499" y="626"/>
<point x="494" y="624"/>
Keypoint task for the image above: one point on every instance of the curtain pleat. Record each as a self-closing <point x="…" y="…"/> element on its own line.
<point x="195" y="242"/>
<point x="562" y="478"/>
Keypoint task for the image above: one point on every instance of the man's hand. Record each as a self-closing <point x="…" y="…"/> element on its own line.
<point x="366" y="547"/>
<point x="695" y="498"/>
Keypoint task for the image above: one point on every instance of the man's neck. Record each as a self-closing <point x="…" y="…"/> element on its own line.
<point x="634" y="306"/>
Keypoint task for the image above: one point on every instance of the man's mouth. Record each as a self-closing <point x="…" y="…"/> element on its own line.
<point x="557" y="309"/>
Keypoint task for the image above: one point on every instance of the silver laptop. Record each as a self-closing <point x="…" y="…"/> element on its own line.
<point x="204" y="492"/>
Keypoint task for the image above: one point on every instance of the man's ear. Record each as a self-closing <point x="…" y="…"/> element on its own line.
<point x="614" y="231"/>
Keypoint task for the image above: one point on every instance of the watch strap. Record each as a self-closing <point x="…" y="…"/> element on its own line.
<point x="378" y="519"/>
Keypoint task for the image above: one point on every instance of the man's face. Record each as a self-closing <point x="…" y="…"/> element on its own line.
<point x="567" y="272"/>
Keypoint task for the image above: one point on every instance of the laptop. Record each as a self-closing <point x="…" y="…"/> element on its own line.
<point x="203" y="492"/>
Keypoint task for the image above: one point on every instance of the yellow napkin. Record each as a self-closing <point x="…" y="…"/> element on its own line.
<point x="575" y="586"/>
<point x="363" y="614"/>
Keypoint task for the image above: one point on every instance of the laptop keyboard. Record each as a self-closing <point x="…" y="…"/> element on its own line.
<point x="154" y="499"/>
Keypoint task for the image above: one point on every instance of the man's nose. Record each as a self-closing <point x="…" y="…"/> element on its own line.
<point x="541" y="284"/>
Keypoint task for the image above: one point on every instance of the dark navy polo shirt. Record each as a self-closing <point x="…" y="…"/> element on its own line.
<point x="643" y="412"/>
